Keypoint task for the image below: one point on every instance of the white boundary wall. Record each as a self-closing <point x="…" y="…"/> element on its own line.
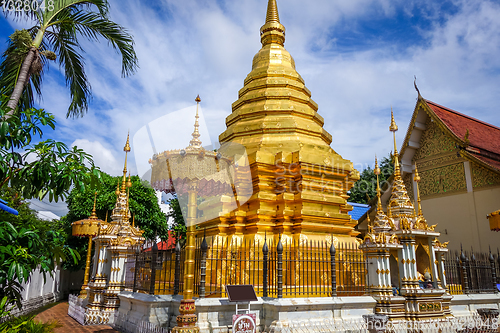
<point x="38" y="292"/>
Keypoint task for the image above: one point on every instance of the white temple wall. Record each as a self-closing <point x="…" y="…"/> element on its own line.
<point x="38" y="293"/>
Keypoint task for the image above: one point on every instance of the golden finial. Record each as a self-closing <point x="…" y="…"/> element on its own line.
<point x="376" y="171"/>
<point x="117" y="192"/>
<point x="129" y="181"/>
<point x="127" y="144"/>
<point x="393" y="128"/>
<point x="126" y="149"/>
<point x="272" y="32"/>
<point x="133" y="220"/>
<point x="106" y="218"/>
<point x="272" y="12"/>
<point x="195" y="141"/>
<point x="93" y="216"/>
<point x="417" y="180"/>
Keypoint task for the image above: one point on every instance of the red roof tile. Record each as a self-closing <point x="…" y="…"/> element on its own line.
<point x="481" y="135"/>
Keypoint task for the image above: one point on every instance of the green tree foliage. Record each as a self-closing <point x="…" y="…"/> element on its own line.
<point x="27" y="243"/>
<point x="143" y="205"/>
<point x="178" y="225"/>
<point x="55" y="36"/>
<point x="366" y="187"/>
<point x="34" y="170"/>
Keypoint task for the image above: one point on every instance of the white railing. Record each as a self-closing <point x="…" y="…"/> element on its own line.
<point x="126" y="325"/>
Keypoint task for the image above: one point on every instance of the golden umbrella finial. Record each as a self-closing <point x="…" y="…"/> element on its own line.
<point x="195" y="141"/>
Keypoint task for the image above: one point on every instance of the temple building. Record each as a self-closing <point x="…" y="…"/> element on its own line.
<point x="298" y="183"/>
<point x="458" y="159"/>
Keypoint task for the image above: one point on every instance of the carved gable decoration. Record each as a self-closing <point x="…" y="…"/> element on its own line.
<point x="434" y="141"/>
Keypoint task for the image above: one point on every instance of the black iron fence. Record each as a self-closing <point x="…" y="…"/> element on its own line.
<point x="276" y="269"/>
<point x="471" y="273"/>
<point x="287" y="268"/>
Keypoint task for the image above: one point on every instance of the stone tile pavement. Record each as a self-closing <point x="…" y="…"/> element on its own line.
<point x="59" y="312"/>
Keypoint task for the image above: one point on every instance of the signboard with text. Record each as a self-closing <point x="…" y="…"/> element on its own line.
<point x="244" y="323"/>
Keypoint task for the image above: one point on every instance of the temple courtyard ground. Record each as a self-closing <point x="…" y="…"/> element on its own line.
<point x="59" y="312"/>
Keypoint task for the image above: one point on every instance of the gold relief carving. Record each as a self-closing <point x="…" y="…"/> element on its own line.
<point x="413" y="261"/>
<point x="407" y="180"/>
<point x="450" y="178"/>
<point x="438" y="161"/>
<point x="433" y="141"/>
<point x="378" y="271"/>
<point x="483" y="177"/>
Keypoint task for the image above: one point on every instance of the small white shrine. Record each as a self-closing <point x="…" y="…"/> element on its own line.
<point x="404" y="257"/>
<point x="114" y="241"/>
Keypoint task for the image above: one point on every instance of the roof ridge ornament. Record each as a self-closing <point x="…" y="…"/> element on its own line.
<point x="415" y="85"/>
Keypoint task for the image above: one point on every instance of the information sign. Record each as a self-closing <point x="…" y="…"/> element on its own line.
<point x="244" y="323"/>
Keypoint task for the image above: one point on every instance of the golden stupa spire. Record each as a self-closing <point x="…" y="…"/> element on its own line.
<point x="272" y="32"/>
<point x="195" y="141"/>
<point x="394" y="128"/>
<point x="417" y="180"/>
<point x="376" y="171"/>
<point x="126" y="149"/>
<point x="272" y="12"/>
<point x="93" y="216"/>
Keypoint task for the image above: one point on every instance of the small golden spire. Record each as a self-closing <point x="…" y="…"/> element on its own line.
<point x="126" y="149"/>
<point x="133" y="220"/>
<point x="376" y="171"/>
<point x="117" y="192"/>
<point x="272" y="12"/>
<point x="106" y="218"/>
<point x="394" y="128"/>
<point x="417" y="180"/>
<point x="272" y="32"/>
<point x="129" y="181"/>
<point x="93" y="216"/>
<point x="195" y="141"/>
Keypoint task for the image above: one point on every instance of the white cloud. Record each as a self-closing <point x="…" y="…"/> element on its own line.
<point x="195" y="47"/>
<point x="103" y="157"/>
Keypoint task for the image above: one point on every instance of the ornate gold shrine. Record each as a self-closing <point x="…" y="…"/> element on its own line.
<point x="299" y="184"/>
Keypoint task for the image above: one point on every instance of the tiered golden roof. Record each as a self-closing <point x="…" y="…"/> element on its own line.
<point x="274" y="111"/>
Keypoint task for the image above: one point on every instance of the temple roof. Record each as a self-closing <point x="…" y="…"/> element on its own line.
<point x="478" y="140"/>
<point x="484" y="138"/>
<point x="358" y="210"/>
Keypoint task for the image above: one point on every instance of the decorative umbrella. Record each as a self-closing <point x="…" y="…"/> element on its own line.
<point x="87" y="228"/>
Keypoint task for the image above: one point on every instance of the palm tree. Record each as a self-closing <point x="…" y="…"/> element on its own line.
<point x="55" y="36"/>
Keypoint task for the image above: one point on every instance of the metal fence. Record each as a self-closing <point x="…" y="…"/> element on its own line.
<point x="471" y="273"/>
<point x="275" y="269"/>
<point x="287" y="269"/>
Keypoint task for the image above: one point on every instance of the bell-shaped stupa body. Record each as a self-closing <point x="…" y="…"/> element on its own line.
<point x="299" y="183"/>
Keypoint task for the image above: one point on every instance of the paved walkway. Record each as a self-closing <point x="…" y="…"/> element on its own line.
<point x="59" y="312"/>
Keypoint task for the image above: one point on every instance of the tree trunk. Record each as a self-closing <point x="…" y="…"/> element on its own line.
<point x="21" y="82"/>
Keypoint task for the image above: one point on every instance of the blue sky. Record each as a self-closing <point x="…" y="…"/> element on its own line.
<point x="358" y="57"/>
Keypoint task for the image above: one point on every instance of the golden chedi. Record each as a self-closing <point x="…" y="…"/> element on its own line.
<point x="290" y="182"/>
<point x="300" y="183"/>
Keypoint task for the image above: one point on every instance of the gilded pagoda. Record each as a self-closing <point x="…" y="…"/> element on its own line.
<point x="296" y="184"/>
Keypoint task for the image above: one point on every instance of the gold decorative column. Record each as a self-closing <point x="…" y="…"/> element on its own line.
<point x="186" y="321"/>
<point x="87" y="228"/>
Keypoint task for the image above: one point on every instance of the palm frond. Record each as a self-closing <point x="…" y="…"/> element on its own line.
<point x="67" y="48"/>
<point x="93" y="26"/>
<point x="59" y="5"/>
